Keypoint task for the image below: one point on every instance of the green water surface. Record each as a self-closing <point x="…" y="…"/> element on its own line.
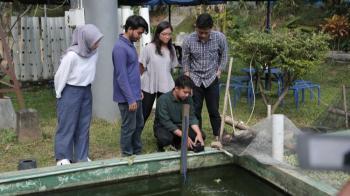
<point x="225" y="180"/>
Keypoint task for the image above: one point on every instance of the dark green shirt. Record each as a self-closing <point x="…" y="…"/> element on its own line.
<point x="169" y="112"/>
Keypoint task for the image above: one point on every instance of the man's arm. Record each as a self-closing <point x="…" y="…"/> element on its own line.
<point x="223" y="52"/>
<point x="162" y="114"/>
<point x="194" y="123"/>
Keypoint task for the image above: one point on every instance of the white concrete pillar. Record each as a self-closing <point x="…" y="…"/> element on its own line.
<point x="120" y="20"/>
<point x="103" y="14"/>
<point x="146" y="38"/>
<point x="126" y="12"/>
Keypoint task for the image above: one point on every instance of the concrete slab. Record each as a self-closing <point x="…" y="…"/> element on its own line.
<point x="7" y="114"/>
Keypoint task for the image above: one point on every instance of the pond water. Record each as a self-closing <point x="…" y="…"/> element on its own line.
<point x="225" y="180"/>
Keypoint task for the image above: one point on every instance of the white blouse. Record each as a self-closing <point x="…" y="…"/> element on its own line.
<point x="157" y="75"/>
<point x="75" y="70"/>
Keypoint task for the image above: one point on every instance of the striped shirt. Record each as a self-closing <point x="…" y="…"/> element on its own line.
<point x="203" y="59"/>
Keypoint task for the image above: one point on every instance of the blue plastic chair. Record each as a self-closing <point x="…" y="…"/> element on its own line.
<point x="240" y="79"/>
<point x="238" y="86"/>
<point x="276" y="72"/>
<point x="301" y="85"/>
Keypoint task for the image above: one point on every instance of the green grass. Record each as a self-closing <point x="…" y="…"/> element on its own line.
<point x="104" y="136"/>
<point x="329" y="75"/>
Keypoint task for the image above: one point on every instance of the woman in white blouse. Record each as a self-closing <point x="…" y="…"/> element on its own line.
<point x="73" y="92"/>
<point x="156" y="61"/>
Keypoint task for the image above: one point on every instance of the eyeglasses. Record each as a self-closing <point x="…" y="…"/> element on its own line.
<point x="166" y="34"/>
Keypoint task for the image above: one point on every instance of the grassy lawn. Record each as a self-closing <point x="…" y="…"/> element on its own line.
<point x="104" y="136"/>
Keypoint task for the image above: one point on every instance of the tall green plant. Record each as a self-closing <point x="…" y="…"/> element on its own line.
<point x="338" y="28"/>
<point x="296" y="53"/>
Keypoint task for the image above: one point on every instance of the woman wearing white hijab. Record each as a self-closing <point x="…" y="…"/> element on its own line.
<point x="73" y="92"/>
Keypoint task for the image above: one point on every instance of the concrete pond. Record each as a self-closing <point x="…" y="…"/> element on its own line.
<point x="166" y="165"/>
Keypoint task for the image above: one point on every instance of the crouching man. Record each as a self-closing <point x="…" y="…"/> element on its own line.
<point x="168" y="117"/>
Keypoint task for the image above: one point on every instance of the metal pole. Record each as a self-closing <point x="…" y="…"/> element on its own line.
<point x="169" y="12"/>
<point x="345" y="108"/>
<point x="268" y="30"/>
<point x="268" y="17"/>
<point x="184" y="137"/>
<point x="75" y="4"/>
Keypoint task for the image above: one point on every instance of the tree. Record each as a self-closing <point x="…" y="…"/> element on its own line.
<point x="295" y="52"/>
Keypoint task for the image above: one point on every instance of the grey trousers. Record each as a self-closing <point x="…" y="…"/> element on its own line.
<point x="74" y="111"/>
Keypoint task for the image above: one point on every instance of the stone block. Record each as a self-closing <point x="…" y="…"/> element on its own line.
<point x="7" y="114"/>
<point x="28" y="125"/>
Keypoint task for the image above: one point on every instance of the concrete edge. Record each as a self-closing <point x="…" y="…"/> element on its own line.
<point x="79" y="174"/>
<point x="289" y="180"/>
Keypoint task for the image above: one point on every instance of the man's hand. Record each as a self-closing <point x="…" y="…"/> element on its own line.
<point x="218" y="74"/>
<point x="187" y="73"/>
<point x="199" y="138"/>
<point x="133" y="107"/>
<point x="190" y="143"/>
<point x="142" y="95"/>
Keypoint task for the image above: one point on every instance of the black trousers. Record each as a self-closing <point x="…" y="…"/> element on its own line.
<point x="166" y="137"/>
<point x="211" y="94"/>
<point x="147" y="103"/>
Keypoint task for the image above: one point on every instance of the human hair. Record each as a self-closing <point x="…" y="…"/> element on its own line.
<point x="184" y="81"/>
<point x="156" y="40"/>
<point x="134" y="22"/>
<point x="204" y="21"/>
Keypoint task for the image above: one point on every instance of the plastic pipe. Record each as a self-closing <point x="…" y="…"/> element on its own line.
<point x="277" y="136"/>
<point x="268" y="111"/>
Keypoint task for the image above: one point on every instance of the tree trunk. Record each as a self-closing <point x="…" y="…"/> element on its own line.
<point x="279" y="100"/>
<point x="337" y="111"/>
<point x="338" y="40"/>
<point x="284" y="93"/>
<point x="237" y="124"/>
<point x="261" y="88"/>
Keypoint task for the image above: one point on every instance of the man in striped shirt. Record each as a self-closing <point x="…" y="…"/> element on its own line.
<point x="204" y="58"/>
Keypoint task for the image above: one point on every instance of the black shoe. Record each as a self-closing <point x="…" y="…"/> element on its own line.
<point x="198" y="147"/>
<point x="160" y="149"/>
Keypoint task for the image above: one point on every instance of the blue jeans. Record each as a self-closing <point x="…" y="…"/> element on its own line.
<point x="131" y="129"/>
<point x="74" y="111"/>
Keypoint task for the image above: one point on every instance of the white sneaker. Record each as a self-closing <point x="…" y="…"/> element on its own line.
<point x="88" y="159"/>
<point x="63" y="162"/>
